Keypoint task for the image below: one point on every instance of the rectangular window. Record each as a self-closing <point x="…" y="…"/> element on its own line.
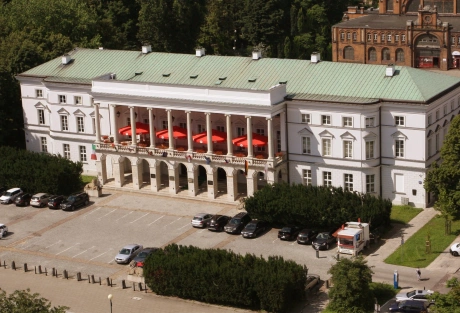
<point x="326" y="146"/>
<point x="41" y="116"/>
<point x="219" y="128"/>
<point x="62" y="99"/>
<point x="430" y="119"/>
<point x="327" y="179"/>
<point x="347" y="149"/>
<point x="369" y="150"/>
<point x="437" y="142"/>
<point x="44" y="145"/>
<point x="184" y="125"/>
<point x="260" y="131"/>
<point x="437" y="114"/>
<point x="82" y="153"/>
<point x="306" y="118"/>
<point x="348" y="182"/>
<point x="325" y="119"/>
<point x="66" y="149"/>
<point x="370" y="183"/>
<point x="80" y="124"/>
<point x="278" y="140"/>
<point x="451" y="106"/>
<point x="78" y="100"/>
<point x="347" y="121"/>
<point x="64" y="123"/>
<point x="375" y="37"/>
<point x="342" y="36"/>
<point x="306" y="145"/>
<point x="240" y="131"/>
<point x="39" y="93"/>
<point x="369" y="37"/>
<point x="306" y="177"/>
<point x="355" y="36"/>
<point x="445" y="110"/>
<point x="389" y="38"/>
<point x="429" y="151"/>
<point x="452" y="39"/>
<point x="383" y="38"/>
<point x="369" y="122"/>
<point x="403" y="38"/>
<point x="399" y="120"/>
<point x="396" y="38"/>
<point x="399" y="148"/>
<point x="348" y="36"/>
<point x="164" y="125"/>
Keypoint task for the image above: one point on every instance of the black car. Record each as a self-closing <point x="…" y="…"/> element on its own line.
<point x="74" y="201"/>
<point x="54" y="202"/>
<point x="218" y="222"/>
<point x="23" y="200"/>
<point x="289" y="232"/>
<point x="140" y="258"/>
<point x="254" y="228"/>
<point x="323" y="241"/>
<point x="237" y="223"/>
<point x="306" y="236"/>
<point x="408" y="306"/>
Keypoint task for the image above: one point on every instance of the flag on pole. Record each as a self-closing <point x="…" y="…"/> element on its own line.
<point x="246" y="167"/>
<point x="93" y="152"/>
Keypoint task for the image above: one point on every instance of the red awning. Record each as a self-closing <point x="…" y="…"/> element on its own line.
<point x="217" y="136"/>
<point x="178" y="133"/>
<point x="257" y="140"/>
<point x="141" y="128"/>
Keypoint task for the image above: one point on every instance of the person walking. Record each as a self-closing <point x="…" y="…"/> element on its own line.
<point x="419" y="274"/>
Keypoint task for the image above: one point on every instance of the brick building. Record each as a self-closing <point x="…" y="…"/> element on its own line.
<point x="417" y="33"/>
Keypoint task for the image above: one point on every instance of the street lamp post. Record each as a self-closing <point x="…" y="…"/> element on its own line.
<point x="110" y="299"/>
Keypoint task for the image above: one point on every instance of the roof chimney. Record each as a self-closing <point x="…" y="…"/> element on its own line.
<point x="315" y="57"/>
<point x="256" y="55"/>
<point x="390" y="70"/>
<point x="146" y="49"/>
<point x="200" y="52"/>
<point x="66" y="59"/>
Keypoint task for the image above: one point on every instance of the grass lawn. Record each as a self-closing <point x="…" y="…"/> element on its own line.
<point x="413" y="250"/>
<point x="87" y="179"/>
<point x="402" y="214"/>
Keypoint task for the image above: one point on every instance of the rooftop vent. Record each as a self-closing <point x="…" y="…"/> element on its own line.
<point x="315" y="57"/>
<point x="66" y="59"/>
<point x="256" y="55"/>
<point x="113" y="76"/>
<point x="390" y="70"/>
<point x="146" y="49"/>
<point x="200" y="52"/>
<point x="101" y="48"/>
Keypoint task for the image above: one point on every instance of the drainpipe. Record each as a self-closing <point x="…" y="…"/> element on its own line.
<point x="380" y="149"/>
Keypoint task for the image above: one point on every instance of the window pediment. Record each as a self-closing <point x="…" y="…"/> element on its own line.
<point x="452" y="117"/>
<point x="398" y="134"/>
<point x="79" y="113"/>
<point x="40" y="105"/>
<point x="63" y="112"/>
<point x="326" y="133"/>
<point x="437" y="128"/>
<point x="445" y="123"/>
<point x="369" y="135"/>
<point x="430" y="132"/>
<point x="305" y="132"/>
<point x="347" y="135"/>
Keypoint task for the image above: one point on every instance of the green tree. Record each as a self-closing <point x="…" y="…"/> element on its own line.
<point x="351" y="292"/>
<point x="22" y="301"/>
<point x="446" y="303"/>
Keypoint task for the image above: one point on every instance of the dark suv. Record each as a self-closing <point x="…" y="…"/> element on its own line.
<point x="237" y="223"/>
<point x="408" y="306"/>
<point x="54" y="202"/>
<point x="74" y="201"/>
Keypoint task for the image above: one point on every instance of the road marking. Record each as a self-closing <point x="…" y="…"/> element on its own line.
<point x="185" y="226"/>
<point x="123" y="216"/>
<point x="275" y="240"/>
<point x="173" y="222"/>
<point x="92" y="212"/>
<point x="107" y="214"/>
<point x="156" y="220"/>
<point x="67" y="248"/>
<point x="30" y="244"/>
<point x="136" y="298"/>
<point x="140" y="217"/>
<point x="52" y="244"/>
<point x="83" y="252"/>
<point x="101" y="254"/>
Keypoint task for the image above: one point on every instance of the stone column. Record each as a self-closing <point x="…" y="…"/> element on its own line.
<point x="151" y="128"/>
<point x="119" y="173"/>
<point x="211" y="176"/>
<point x="101" y="166"/>
<point x="249" y="137"/>
<point x="231" y="190"/>
<point x="170" y="130"/>
<point x="189" y="132"/>
<point x="113" y="125"/>
<point x="137" y="176"/>
<point x="173" y="174"/>
<point x="192" y="180"/>
<point x="271" y="154"/>
<point x="97" y="122"/>
<point x="229" y="135"/>
<point x="283" y="131"/>
<point x="154" y="176"/>
<point x="209" y="132"/>
<point x="251" y="182"/>
<point x="133" y="126"/>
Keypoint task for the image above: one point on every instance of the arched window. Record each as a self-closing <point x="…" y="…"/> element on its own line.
<point x="386" y="54"/>
<point x="399" y="55"/>
<point x="348" y="53"/>
<point x="389" y="5"/>
<point x="372" y="54"/>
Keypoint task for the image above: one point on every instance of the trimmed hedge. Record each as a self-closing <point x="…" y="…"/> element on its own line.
<point x="223" y="277"/>
<point x="39" y="172"/>
<point x="316" y="206"/>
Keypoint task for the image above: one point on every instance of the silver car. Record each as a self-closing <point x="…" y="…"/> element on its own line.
<point x="40" y="200"/>
<point x="127" y="253"/>
<point x="3" y="229"/>
<point x="417" y="295"/>
<point x="201" y="220"/>
<point x="10" y="195"/>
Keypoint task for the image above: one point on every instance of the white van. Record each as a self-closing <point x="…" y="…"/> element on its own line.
<point x="10" y="195"/>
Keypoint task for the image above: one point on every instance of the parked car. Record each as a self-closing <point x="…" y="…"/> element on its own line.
<point x="254" y="228"/>
<point x="237" y="223"/>
<point x="143" y="254"/>
<point x="4" y="228"/>
<point x="289" y="232"/>
<point x="10" y="195"/>
<point x="54" y="202"/>
<point x="23" y="199"/>
<point x="408" y="306"/>
<point x="201" y="220"/>
<point x="455" y="249"/>
<point x="218" y="222"/>
<point x="323" y="241"/>
<point x="306" y="236"/>
<point x="39" y="200"/>
<point x="416" y="295"/>
<point x="127" y="253"/>
<point x="74" y="201"/>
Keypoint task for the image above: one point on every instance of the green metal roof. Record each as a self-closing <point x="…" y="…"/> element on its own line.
<point x="323" y="81"/>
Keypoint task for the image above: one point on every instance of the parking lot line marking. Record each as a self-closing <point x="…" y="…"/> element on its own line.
<point x="173" y="221"/>
<point x="83" y="252"/>
<point x="107" y="214"/>
<point x="156" y="220"/>
<point x="101" y="254"/>
<point x="140" y="217"/>
<point x="52" y="244"/>
<point x="123" y="216"/>
<point x="92" y="212"/>
<point x="275" y="240"/>
<point x="30" y="244"/>
<point x="67" y="248"/>
<point x="202" y="230"/>
<point x="188" y="224"/>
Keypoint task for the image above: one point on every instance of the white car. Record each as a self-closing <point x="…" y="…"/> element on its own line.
<point x="417" y="295"/>
<point x="10" y="195"/>
<point x="4" y="229"/>
<point x="127" y="253"/>
<point x="39" y="200"/>
<point x="455" y="249"/>
<point x="201" y="220"/>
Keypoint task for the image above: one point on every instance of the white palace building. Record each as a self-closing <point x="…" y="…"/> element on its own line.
<point x="224" y="126"/>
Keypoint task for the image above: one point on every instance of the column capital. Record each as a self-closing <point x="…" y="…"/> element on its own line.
<point x="113" y="105"/>
<point x="207" y="113"/>
<point x="96" y="104"/>
<point x="131" y="107"/>
<point x="269" y="118"/>
<point x="229" y="115"/>
<point x="150" y="109"/>
<point x="168" y="110"/>
<point x="248" y="116"/>
<point x="188" y="112"/>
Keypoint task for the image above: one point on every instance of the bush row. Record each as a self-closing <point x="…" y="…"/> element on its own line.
<point x="316" y="206"/>
<point x="223" y="277"/>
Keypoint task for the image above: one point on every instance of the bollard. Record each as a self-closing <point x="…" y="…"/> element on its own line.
<point x="134" y="286"/>
<point x="66" y="275"/>
<point x="39" y="269"/>
<point x="140" y="286"/>
<point x="123" y="284"/>
<point x="100" y="281"/>
<point x="327" y="283"/>
<point x="35" y="268"/>
<point x="56" y="273"/>
<point x="4" y="264"/>
<point x="108" y="282"/>
<point x="338" y="256"/>
<point x="25" y="267"/>
<point x="89" y="279"/>
<point x="53" y="272"/>
<point x="111" y="282"/>
<point x="317" y="254"/>
<point x="145" y="288"/>
<point x="92" y="279"/>
<point x="13" y="265"/>
<point x="46" y="272"/>
<point x="78" y="276"/>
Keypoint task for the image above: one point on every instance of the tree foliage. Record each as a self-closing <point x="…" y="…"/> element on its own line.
<point x="22" y="301"/>
<point x="223" y="277"/>
<point x="446" y="303"/>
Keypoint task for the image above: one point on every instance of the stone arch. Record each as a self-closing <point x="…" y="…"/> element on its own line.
<point x="163" y="173"/>
<point x="399" y="55"/>
<point x="221" y="181"/>
<point x="241" y="183"/>
<point x="372" y="54"/>
<point x="385" y="55"/>
<point x="202" y="178"/>
<point x="182" y="170"/>
<point x="260" y="180"/>
<point x="348" y="53"/>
